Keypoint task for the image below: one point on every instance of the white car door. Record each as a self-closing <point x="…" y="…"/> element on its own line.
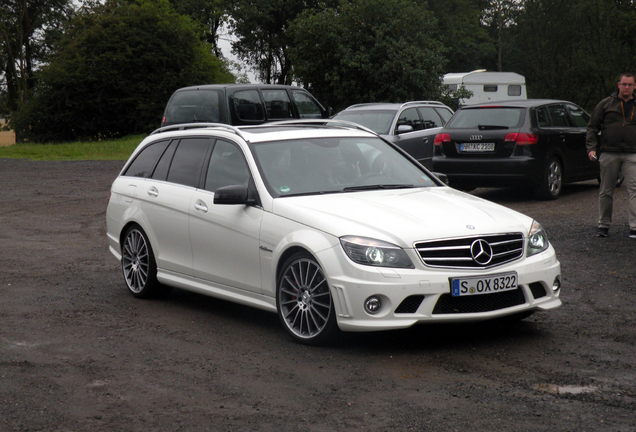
<point x="225" y="238"/>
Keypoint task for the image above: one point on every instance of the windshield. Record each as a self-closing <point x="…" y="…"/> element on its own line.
<point x="379" y="121"/>
<point x="335" y="165"/>
<point x="487" y="118"/>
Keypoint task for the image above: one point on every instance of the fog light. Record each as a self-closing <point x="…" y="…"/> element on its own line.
<point x="372" y="305"/>
<point x="557" y="284"/>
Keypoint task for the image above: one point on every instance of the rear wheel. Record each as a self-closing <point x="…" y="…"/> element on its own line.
<point x="304" y="302"/>
<point x="551" y="182"/>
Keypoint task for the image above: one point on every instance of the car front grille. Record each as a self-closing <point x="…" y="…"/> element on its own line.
<point x="472" y="252"/>
<point x="447" y="304"/>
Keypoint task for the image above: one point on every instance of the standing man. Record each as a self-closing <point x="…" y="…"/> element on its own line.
<point x="613" y="121"/>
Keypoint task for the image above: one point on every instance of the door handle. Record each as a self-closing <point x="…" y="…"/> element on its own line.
<point x="153" y="191"/>
<point x="200" y="206"/>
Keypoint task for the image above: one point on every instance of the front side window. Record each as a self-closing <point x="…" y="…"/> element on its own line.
<point x="409" y="117"/>
<point x="277" y="104"/>
<point x="247" y="105"/>
<point x="580" y="117"/>
<point x="188" y="160"/>
<point x="227" y="167"/>
<point x="307" y="107"/>
<point x="144" y="163"/>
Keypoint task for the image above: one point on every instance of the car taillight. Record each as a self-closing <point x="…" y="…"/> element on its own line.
<point x="163" y="121"/>
<point x="441" y="138"/>
<point x="522" y="138"/>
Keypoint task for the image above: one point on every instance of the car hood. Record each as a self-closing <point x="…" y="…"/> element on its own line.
<point x="402" y="216"/>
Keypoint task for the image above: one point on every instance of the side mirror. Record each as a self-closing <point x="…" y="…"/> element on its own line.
<point x="235" y="194"/>
<point x="404" y="128"/>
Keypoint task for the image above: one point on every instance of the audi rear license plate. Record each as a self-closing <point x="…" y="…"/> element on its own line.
<point x="477" y="147"/>
<point x="475" y="285"/>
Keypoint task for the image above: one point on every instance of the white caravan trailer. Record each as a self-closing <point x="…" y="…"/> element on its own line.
<point x="488" y="86"/>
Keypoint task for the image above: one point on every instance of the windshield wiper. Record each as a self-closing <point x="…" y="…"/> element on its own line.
<point x="310" y="193"/>
<point x="491" y="127"/>
<point x="377" y="186"/>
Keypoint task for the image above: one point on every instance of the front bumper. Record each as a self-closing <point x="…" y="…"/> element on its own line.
<point x="422" y="295"/>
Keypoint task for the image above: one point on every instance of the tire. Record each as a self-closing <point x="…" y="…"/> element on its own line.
<point x="551" y="182"/>
<point x="139" y="266"/>
<point x="304" y="302"/>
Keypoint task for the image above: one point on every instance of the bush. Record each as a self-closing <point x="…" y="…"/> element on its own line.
<point x="114" y="72"/>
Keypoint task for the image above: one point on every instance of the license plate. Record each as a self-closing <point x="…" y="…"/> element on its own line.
<point x="475" y="285"/>
<point x="476" y="147"/>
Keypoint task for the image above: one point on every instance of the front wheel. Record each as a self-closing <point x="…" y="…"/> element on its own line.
<point x="304" y="302"/>
<point x="551" y="182"/>
<point x="139" y="266"/>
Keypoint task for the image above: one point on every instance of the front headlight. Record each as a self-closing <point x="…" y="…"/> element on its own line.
<point x="375" y="253"/>
<point x="537" y="239"/>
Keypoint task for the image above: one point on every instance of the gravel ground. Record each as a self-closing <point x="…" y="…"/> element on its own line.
<point x="78" y="353"/>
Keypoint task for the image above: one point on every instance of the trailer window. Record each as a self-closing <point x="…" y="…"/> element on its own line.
<point x="514" y="90"/>
<point x="490" y="88"/>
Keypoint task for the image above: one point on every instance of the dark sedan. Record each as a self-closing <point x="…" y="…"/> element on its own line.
<point x="536" y="143"/>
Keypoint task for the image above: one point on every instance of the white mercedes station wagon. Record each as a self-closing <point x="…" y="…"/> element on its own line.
<point x="325" y="224"/>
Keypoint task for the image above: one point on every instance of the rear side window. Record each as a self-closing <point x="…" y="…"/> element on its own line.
<point x="193" y="106"/>
<point x="430" y="118"/>
<point x="145" y="161"/>
<point x="444" y="113"/>
<point x="487" y="118"/>
<point x="307" y="107"/>
<point x="558" y="115"/>
<point x="543" y="119"/>
<point x="188" y="160"/>
<point x="277" y="104"/>
<point x="247" y="105"/>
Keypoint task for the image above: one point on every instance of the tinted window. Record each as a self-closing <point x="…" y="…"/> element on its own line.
<point x="248" y="106"/>
<point x="558" y="115"/>
<point x="543" y="119"/>
<point x="444" y="113"/>
<point x="409" y="117"/>
<point x="146" y="160"/>
<point x="307" y="107"/>
<point x="580" y="117"/>
<point x="484" y="118"/>
<point x="430" y="118"/>
<point x="277" y="104"/>
<point x="194" y="106"/>
<point x="514" y="90"/>
<point x="227" y="167"/>
<point x="187" y="161"/>
<point x="490" y="88"/>
<point x="161" y="172"/>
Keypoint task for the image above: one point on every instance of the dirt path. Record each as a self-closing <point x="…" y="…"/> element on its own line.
<point x="78" y="353"/>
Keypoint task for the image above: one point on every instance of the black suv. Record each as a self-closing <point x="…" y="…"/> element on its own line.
<point x="536" y="143"/>
<point x="241" y="104"/>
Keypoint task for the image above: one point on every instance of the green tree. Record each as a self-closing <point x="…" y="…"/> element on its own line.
<point x="574" y="49"/>
<point x="468" y="44"/>
<point x="500" y="16"/>
<point x="115" y="70"/>
<point x="27" y="29"/>
<point x="261" y="31"/>
<point x="211" y="14"/>
<point x="368" y="51"/>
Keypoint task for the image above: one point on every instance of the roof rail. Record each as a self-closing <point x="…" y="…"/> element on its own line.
<point x="335" y="123"/>
<point x="186" y="126"/>
<point x="422" y="102"/>
<point x="367" y="104"/>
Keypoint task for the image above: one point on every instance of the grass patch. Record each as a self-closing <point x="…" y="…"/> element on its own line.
<point x="117" y="149"/>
